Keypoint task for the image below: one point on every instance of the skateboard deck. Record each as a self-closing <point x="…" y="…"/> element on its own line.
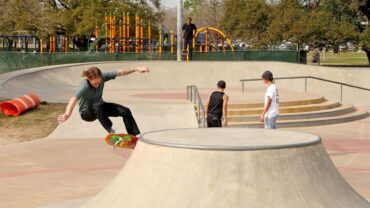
<point x="121" y="140"/>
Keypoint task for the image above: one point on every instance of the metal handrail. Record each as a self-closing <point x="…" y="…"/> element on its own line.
<point x="311" y="77"/>
<point x="193" y="96"/>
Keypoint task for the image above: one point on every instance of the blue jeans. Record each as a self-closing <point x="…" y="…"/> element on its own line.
<point x="270" y="123"/>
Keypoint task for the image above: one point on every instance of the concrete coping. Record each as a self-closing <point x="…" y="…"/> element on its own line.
<point x="229" y="138"/>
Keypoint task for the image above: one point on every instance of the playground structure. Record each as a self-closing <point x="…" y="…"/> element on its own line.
<point x="210" y="38"/>
<point x="117" y="33"/>
<point x="126" y="34"/>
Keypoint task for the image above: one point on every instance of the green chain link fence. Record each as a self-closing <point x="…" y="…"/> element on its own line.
<point x="11" y="61"/>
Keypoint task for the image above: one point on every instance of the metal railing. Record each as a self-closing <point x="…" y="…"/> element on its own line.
<point x="311" y="77"/>
<point x="194" y="97"/>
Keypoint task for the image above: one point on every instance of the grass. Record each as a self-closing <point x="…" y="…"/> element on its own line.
<point x="342" y="58"/>
<point x="31" y="125"/>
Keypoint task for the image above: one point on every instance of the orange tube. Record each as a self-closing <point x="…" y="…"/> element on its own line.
<point x="19" y="105"/>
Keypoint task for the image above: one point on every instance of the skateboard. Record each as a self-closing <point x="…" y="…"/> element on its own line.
<point x="121" y="140"/>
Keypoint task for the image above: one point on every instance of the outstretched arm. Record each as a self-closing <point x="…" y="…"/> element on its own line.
<point x="63" y="117"/>
<point x="124" y="72"/>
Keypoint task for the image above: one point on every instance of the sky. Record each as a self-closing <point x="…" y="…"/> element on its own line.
<point x="169" y="3"/>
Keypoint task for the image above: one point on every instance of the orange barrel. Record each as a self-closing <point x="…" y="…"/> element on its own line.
<point x="18" y="105"/>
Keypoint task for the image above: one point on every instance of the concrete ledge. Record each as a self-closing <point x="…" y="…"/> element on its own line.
<point x="229" y="139"/>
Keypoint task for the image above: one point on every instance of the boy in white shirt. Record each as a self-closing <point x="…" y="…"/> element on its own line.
<point x="271" y="109"/>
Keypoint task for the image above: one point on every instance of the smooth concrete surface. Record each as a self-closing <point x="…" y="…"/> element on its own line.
<point x="67" y="172"/>
<point x="163" y="176"/>
<point x="53" y="171"/>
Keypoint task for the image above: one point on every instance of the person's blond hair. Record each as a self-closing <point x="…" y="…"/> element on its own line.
<point x="91" y="73"/>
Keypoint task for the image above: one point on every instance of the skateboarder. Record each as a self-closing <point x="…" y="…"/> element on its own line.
<point x="216" y="106"/>
<point x="91" y="105"/>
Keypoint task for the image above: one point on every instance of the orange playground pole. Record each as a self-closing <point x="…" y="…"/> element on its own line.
<point x="106" y="32"/>
<point x="206" y="46"/>
<point x="160" y="42"/>
<point x="41" y="49"/>
<point x="66" y="44"/>
<point x="172" y="41"/>
<point x="124" y="32"/>
<point x="52" y="44"/>
<point x="120" y="37"/>
<point x="187" y="52"/>
<point x="111" y="33"/>
<point x="141" y="36"/>
<point x="149" y="35"/>
<point x="137" y="36"/>
<point x="128" y="32"/>
<point x="114" y="29"/>
<point x="97" y="36"/>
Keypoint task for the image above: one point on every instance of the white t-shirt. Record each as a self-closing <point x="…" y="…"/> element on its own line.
<point x="273" y="93"/>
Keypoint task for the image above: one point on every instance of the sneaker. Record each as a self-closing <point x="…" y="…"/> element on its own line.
<point x="111" y="131"/>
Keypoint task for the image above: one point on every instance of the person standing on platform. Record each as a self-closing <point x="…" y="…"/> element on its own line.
<point x="188" y="32"/>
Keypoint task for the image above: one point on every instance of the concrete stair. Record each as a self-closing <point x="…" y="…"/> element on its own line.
<point x="310" y="112"/>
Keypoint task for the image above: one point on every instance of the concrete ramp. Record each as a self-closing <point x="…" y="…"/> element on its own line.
<point x="228" y="168"/>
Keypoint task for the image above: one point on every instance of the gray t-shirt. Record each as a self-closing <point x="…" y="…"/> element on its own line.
<point x="88" y="95"/>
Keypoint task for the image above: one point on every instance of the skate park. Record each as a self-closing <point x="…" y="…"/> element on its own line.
<point x="73" y="165"/>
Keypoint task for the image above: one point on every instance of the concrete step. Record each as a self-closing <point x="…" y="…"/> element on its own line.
<point x="356" y="115"/>
<point x="281" y="104"/>
<point x="328" y="104"/>
<point x="341" y="110"/>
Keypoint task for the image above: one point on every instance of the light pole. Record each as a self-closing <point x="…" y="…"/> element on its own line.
<point x="179" y="29"/>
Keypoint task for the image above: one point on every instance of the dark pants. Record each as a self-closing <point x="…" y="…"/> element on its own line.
<point x="190" y="43"/>
<point x="213" y="121"/>
<point x="103" y="111"/>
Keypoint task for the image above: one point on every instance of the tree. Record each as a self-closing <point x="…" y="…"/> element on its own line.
<point x="31" y="16"/>
<point x="248" y="20"/>
<point x="352" y="14"/>
<point x="205" y="13"/>
<point x="284" y="15"/>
